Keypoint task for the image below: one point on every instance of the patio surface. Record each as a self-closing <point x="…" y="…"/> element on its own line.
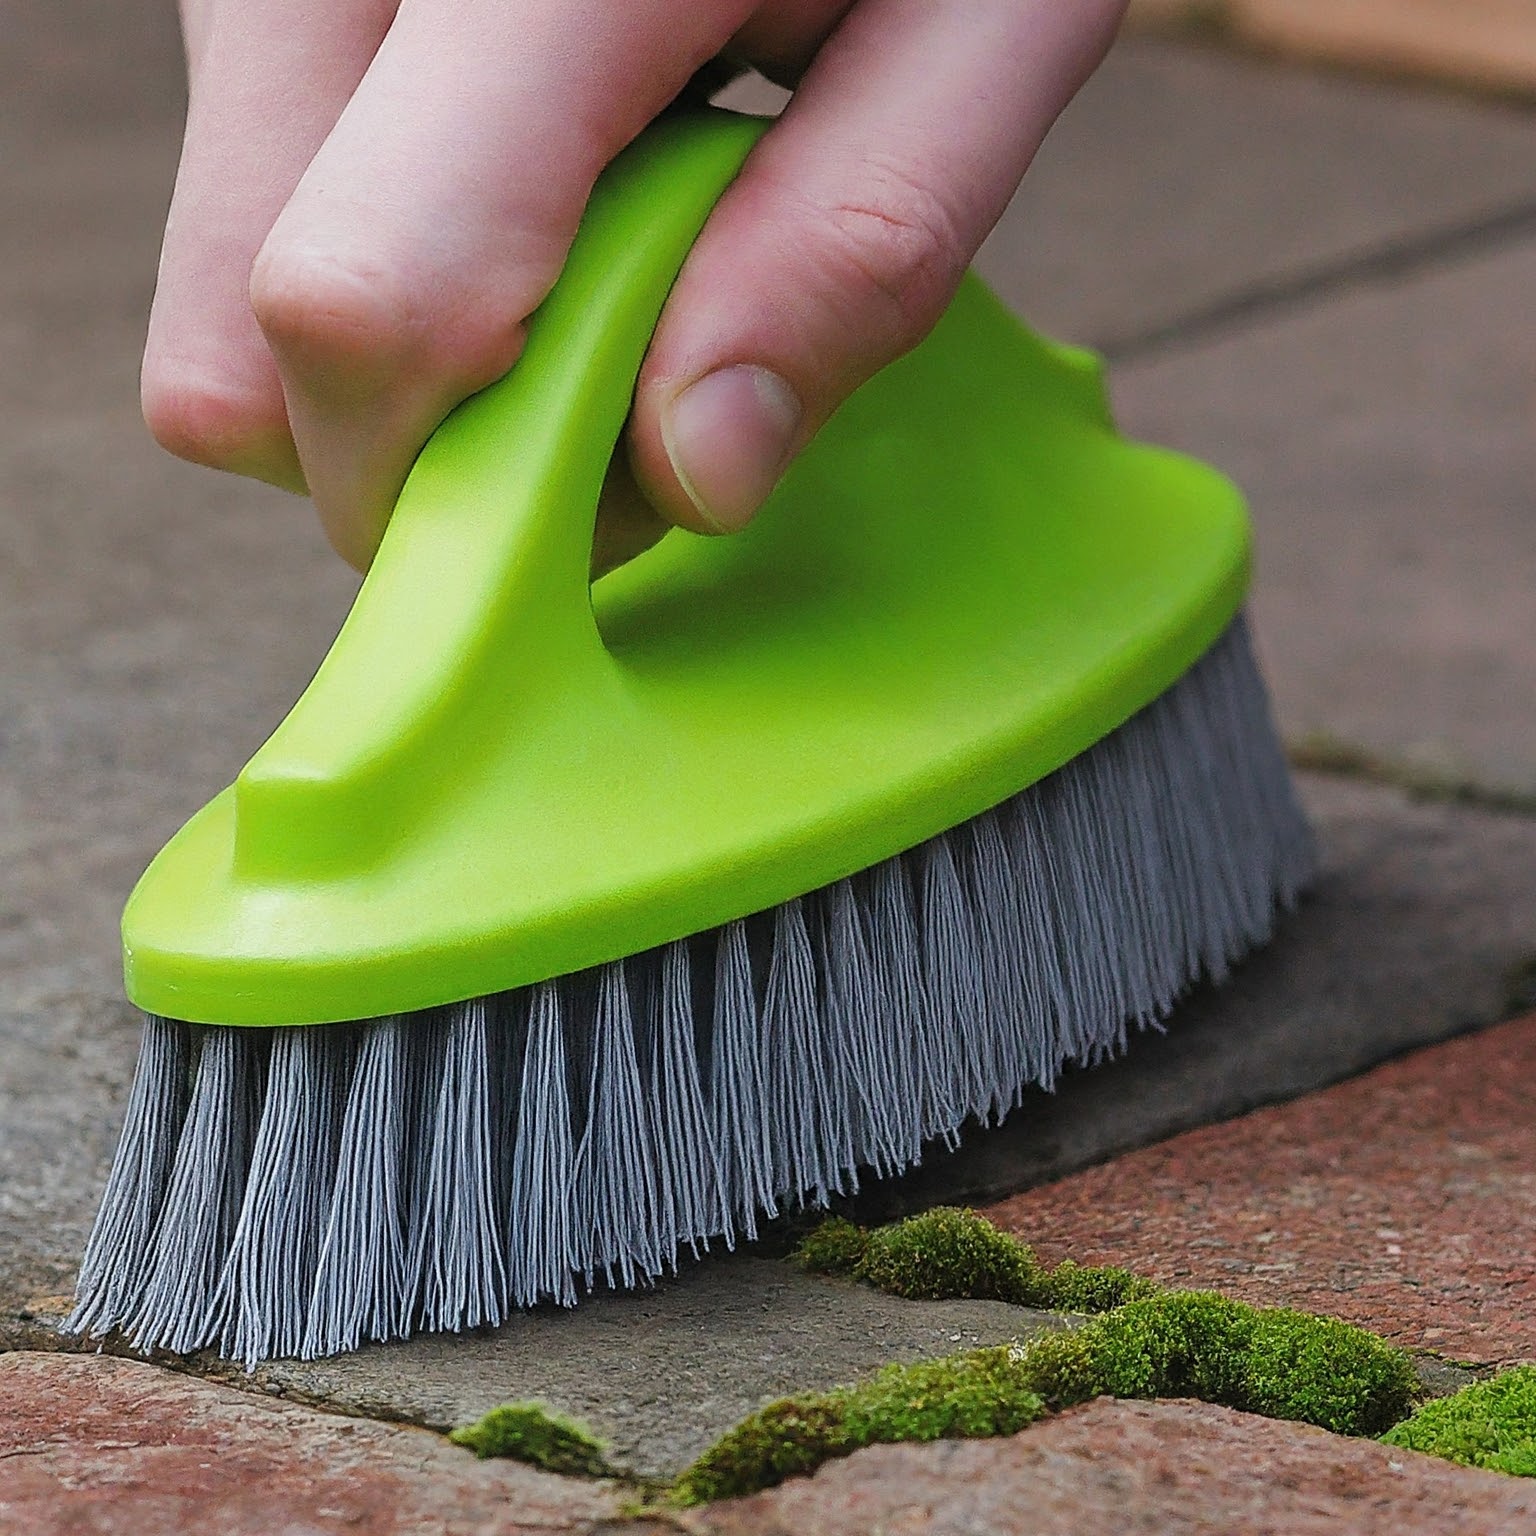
<point x="1313" y="280"/>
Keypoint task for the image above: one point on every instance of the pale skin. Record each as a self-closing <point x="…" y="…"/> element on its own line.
<point x="374" y="196"/>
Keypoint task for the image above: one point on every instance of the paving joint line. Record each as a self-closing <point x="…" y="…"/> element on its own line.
<point x="1342" y="760"/>
<point x="1392" y="261"/>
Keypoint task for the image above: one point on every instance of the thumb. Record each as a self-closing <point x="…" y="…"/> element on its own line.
<point x="845" y="236"/>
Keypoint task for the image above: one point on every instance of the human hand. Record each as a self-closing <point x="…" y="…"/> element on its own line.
<point x="374" y="195"/>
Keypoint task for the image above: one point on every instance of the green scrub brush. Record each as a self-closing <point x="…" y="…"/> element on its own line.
<point x="562" y="927"/>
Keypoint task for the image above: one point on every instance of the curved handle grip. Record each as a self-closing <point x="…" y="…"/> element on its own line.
<point x="479" y="592"/>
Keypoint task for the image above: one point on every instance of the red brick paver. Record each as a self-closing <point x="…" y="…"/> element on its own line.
<point x="1404" y="1199"/>
<point x="1164" y="1468"/>
<point x="92" y="1446"/>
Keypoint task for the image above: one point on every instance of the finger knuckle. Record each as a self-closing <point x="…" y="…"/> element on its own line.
<point x="380" y="322"/>
<point x="897" y="246"/>
<point x="311" y="302"/>
<point x="211" y="415"/>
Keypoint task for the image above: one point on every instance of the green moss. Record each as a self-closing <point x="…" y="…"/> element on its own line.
<point x="1318" y="1370"/>
<point x="952" y="1254"/>
<point x="787" y="1438"/>
<point x="1489" y="1424"/>
<point x="1141" y="1342"/>
<point x="836" y="1247"/>
<point x="1279" y="1363"/>
<point x="1092" y="1287"/>
<point x="964" y="1396"/>
<point x="530" y="1432"/>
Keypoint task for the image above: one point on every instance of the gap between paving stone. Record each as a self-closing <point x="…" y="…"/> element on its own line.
<point x="1182" y="178"/>
<point x="660" y="1375"/>
<point x="1382" y="434"/>
<point x="1261" y="303"/>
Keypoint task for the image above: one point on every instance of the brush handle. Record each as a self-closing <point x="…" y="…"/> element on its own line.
<point x="486" y="556"/>
<point x="503" y="774"/>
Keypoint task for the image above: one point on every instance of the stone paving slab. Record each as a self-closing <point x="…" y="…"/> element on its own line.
<point x="1383" y="436"/>
<point x="658" y="1375"/>
<point x="1183" y="176"/>
<point x="1164" y="1469"/>
<point x="1404" y="1200"/>
<point x="93" y="1446"/>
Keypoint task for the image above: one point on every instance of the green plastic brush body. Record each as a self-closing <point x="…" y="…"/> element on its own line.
<point x="502" y="774"/>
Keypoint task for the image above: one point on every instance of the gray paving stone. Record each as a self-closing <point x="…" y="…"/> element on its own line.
<point x="1184" y="175"/>
<point x="661" y="1374"/>
<point x="1385" y="439"/>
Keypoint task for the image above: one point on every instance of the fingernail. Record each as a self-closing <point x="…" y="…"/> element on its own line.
<point x="729" y="437"/>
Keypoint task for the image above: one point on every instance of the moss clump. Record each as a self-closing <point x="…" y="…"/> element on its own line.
<point x="1283" y="1364"/>
<point x="952" y="1254"/>
<point x="1489" y="1424"/>
<point x="530" y="1432"/>
<point x="949" y="1253"/>
<point x="835" y="1247"/>
<point x="1092" y="1287"/>
<point x="969" y="1395"/>
<point x="1318" y="1370"/>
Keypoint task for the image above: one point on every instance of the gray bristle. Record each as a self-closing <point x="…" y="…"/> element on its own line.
<point x="269" y="1272"/>
<point x="202" y="1201"/>
<point x="363" y="1276"/>
<point x="804" y="1110"/>
<point x="692" y="1194"/>
<point x="616" y="1182"/>
<point x="113" y="1269"/>
<point x="951" y="983"/>
<point x="300" y="1191"/>
<point x="738" y="1090"/>
<point x="542" y="1249"/>
<point x="899" y="997"/>
<point x="458" y="1242"/>
<point x="853" y="1022"/>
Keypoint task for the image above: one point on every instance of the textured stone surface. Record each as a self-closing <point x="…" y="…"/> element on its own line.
<point x="89" y="1444"/>
<point x="1384" y="438"/>
<point x="1183" y="177"/>
<point x="659" y="1375"/>
<point x="155" y="620"/>
<point x="1404" y="1200"/>
<point x="1173" y="1469"/>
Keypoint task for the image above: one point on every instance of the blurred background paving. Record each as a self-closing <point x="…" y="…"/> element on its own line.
<point x="1319" y="281"/>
